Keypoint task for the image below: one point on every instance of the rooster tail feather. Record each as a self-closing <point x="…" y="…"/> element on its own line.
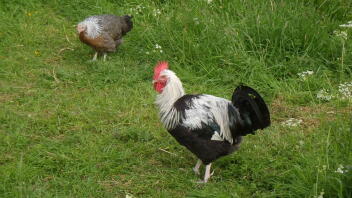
<point x="128" y="20"/>
<point x="252" y="108"/>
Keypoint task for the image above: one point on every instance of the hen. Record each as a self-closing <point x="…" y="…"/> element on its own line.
<point x="104" y="32"/>
<point x="210" y="127"/>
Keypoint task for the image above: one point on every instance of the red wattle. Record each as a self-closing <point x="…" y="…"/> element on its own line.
<point x="158" y="87"/>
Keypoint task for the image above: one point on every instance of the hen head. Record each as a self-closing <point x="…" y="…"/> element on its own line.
<point x="159" y="79"/>
<point x="81" y="28"/>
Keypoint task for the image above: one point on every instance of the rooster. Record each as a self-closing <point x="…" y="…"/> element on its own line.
<point x="209" y="126"/>
<point x="104" y="32"/>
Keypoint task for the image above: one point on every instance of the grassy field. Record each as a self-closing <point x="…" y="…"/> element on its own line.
<point x="74" y="128"/>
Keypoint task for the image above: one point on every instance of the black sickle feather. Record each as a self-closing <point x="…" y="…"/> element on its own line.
<point x="252" y="108"/>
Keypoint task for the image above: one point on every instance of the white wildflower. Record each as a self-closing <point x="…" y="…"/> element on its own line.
<point x="157" y="49"/>
<point x="345" y="90"/>
<point x="341" y="170"/>
<point x="309" y="72"/>
<point x="305" y="74"/>
<point x="324" y="95"/>
<point x="129" y="196"/>
<point x="321" y="195"/>
<point x="147" y="53"/>
<point x="292" y="122"/>
<point x="137" y="10"/>
<point x="157" y="46"/>
<point x="341" y="34"/>
<point x="347" y="25"/>
<point x="301" y="142"/>
<point x="196" y="21"/>
<point x="156" y="12"/>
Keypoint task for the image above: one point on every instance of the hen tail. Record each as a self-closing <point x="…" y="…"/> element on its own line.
<point x="128" y="21"/>
<point x="252" y="108"/>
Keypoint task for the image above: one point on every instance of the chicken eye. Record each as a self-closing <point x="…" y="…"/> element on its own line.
<point x="163" y="79"/>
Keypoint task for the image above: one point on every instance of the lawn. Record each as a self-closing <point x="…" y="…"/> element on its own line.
<point x="70" y="127"/>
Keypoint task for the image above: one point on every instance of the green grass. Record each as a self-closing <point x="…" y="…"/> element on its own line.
<point x="74" y="128"/>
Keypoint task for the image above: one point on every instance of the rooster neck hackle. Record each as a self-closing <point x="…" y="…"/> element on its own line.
<point x="93" y="28"/>
<point x="173" y="90"/>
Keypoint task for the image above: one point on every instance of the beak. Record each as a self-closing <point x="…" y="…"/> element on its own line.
<point x="154" y="81"/>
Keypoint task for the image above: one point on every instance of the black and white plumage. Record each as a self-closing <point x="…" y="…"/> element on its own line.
<point x="209" y="126"/>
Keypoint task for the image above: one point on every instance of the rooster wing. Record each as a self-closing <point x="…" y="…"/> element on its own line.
<point x="208" y="117"/>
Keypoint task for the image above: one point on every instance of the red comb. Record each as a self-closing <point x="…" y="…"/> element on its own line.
<point x="159" y="68"/>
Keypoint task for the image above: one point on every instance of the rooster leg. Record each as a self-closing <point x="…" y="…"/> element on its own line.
<point x="104" y="56"/>
<point x="196" y="168"/>
<point x="95" y="56"/>
<point x="207" y="173"/>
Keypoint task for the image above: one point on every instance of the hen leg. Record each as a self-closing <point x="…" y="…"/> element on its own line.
<point x="95" y="56"/>
<point x="104" y="56"/>
<point x="118" y="42"/>
<point x="196" y="168"/>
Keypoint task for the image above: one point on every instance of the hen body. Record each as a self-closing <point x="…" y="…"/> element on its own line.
<point x="104" y="32"/>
